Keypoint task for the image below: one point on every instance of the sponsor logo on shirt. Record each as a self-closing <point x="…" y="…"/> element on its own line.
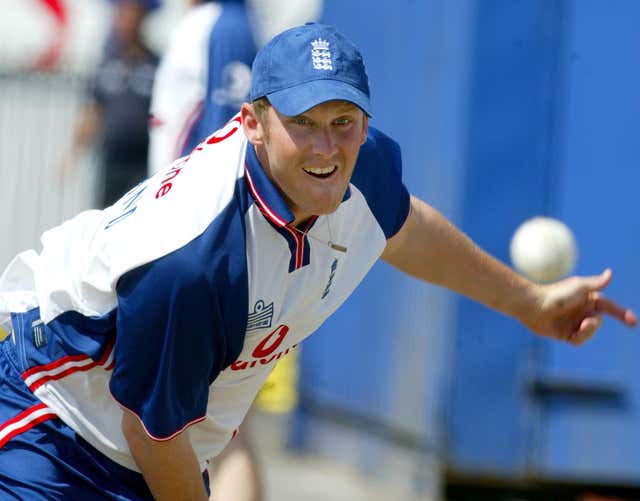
<point x="267" y="350"/>
<point x="168" y="178"/>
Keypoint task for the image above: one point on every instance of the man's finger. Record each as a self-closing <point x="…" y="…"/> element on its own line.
<point x="587" y="329"/>
<point x="630" y="318"/>
<point x="598" y="282"/>
<point x="604" y="305"/>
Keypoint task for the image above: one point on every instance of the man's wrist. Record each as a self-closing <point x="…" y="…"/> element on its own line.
<point x="527" y="302"/>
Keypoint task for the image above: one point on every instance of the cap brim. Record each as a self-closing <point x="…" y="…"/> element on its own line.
<point x="296" y="100"/>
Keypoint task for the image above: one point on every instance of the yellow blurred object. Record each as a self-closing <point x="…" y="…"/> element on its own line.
<point x="279" y="394"/>
<point x="3" y="333"/>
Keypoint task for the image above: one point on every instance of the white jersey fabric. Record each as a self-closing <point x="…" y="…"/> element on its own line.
<point x="202" y="80"/>
<point x="177" y="301"/>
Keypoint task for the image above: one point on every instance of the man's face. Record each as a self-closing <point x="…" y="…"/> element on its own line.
<point x="128" y="16"/>
<point x="310" y="157"/>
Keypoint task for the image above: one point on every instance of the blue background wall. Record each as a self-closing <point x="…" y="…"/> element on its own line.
<point x="597" y="152"/>
<point x="505" y="109"/>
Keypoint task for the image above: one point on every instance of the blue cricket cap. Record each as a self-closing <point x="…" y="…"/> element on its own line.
<point x="309" y="65"/>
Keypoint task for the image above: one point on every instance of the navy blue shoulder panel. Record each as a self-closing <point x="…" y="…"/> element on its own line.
<point x="378" y="175"/>
<point x="181" y="319"/>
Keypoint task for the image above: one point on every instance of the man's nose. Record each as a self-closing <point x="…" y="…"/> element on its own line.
<point x="324" y="142"/>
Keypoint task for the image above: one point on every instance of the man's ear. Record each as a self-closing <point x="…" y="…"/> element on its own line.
<point x="365" y="128"/>
<point x="252" y="127"/>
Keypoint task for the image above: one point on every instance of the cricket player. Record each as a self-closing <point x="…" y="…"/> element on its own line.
<point x="202" y="79"/>
<point x="140" y="334"/>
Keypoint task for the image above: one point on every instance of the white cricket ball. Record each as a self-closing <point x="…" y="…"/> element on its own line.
<point x="543" y="249"/>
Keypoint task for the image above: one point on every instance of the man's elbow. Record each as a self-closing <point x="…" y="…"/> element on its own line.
<point x="134" y="432"/>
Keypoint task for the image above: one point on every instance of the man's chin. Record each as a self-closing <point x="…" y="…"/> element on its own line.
<point x="322" y="205"/>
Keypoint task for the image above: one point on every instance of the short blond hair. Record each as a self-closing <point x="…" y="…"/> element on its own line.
<point x="261" y="106"/>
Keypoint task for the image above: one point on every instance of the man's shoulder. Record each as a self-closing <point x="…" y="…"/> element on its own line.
<point x="378" y="176"/>
<point x="199" y="18"/>
<point x="379" y="152"/>
<point x="192" y="32"/>
<point x="380" y="141"/>
<point x="197" y="194"/>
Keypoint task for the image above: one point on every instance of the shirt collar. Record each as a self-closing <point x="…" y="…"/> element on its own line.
<point x="265" y="193"/>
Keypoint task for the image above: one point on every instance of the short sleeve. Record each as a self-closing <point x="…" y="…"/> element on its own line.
<point x="378" y="175"/>
<point x="170" y="344"/>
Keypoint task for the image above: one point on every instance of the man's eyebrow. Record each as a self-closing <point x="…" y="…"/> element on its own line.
<point x="347" y="108"/>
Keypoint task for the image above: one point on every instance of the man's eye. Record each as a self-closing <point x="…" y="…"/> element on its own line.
<point x="342" y="121"/>
<point x="301" y="121"/>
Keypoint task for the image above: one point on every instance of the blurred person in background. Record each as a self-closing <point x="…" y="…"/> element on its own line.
<point x="203" y="78"/>
<point x="116" y="116"/>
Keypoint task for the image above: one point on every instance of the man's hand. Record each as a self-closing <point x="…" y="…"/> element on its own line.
<point x="572" y="309"/>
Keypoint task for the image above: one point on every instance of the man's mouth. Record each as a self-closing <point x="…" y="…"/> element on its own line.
<point x="321" y="172"/>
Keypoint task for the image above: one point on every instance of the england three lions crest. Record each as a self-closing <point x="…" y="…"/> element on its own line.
<point x="321" y="55"/>
<point x="260" y="317"/>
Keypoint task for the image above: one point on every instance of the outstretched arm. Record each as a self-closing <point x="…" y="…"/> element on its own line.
<point x="430" y="248"/>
